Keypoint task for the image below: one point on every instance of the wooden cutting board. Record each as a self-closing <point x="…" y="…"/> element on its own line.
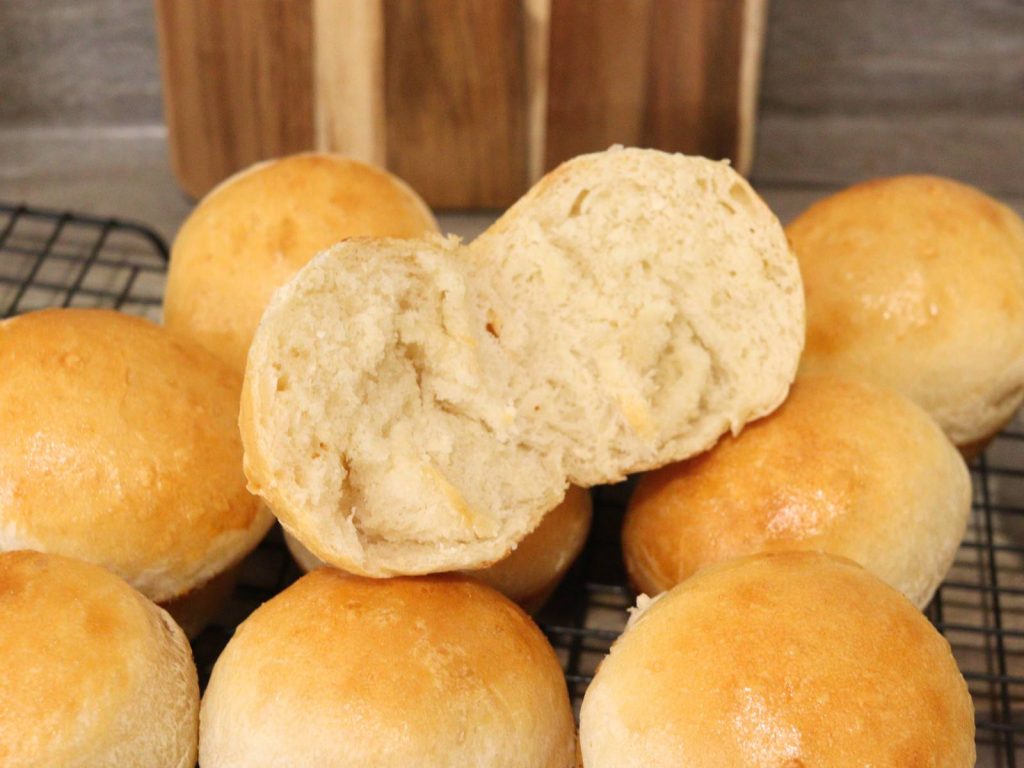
<point x="470" y="101"/>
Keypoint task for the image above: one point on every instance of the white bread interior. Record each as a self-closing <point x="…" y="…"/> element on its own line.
<point x="413" y="406"/>
<point x="661" y="302"/>
<point x="379" y="415"/>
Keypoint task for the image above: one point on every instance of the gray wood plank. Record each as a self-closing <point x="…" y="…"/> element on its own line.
<point x="122" y="172"/>
<point x="852" y="88"/>
<point x="869" y="56"/>
<point x="108" y="172"/>
<point x="985" y="150"/>
<point x="95" y="60"/>
<point x="126" y="172"/>
<point x="71" y="62"/>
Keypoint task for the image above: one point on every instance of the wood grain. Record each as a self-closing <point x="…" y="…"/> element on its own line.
<point x="597" y="75"/>
<point x="538" y="48"/>
<point x="693" y="77"/>
<point x="850" y="86"/>
<point x="679" y="75"/>
<point x="348" y="47"/>
<point x="755" y="19"/>
<point x="455" y="99"/>
<point x="879" y="57"/>
<point x="237" y="82"/>
<point x="839" y="149"/>
<point x="704" y="72"/>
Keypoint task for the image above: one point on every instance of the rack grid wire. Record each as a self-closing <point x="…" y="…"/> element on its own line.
<point x="57" y="258"/>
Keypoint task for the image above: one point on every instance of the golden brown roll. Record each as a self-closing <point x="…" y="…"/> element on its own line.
<point x="342" y="671"/>
<point x="120" y="447"/>
<point x="532" y="571"/>
<point x="788" y="659"/>
<point x="530" y="574"/>
<point x="91" y="672"/>
<point x="842" y="467"/>
<point x="917" y="283"/>
<point x="256" y="229"/>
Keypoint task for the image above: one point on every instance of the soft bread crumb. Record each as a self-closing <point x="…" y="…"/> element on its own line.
<point x="397" y="409"/>
<point x="677" y="304"/>
<point x="416" y="406"/>
<point x="643" y="604"/>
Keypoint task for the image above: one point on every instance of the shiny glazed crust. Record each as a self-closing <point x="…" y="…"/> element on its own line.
<point x="843" y="467"/>
<point x="917" y="283"/>
<point x="398" y="673"/>
<point x="92" y="674"/>
<point x="121" y="448"/>
<point x="786" y="659"/>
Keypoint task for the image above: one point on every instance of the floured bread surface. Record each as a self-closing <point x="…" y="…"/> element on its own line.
<point x="379" y="414"/>
<point x="676" y="302"/>
<point x="415" y="406"/>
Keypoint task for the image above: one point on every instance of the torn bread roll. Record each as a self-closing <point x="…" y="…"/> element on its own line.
<point x="91" y="672"/>
<point x="414" y="406"/>
<point x="532" y="571"/>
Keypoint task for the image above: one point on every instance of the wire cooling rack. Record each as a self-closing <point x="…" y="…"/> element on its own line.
<point x="53" y="258"/>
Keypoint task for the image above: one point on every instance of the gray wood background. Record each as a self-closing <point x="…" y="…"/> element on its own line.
<point x="855" y="88"/>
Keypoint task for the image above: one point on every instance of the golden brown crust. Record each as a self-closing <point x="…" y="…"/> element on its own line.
<point x="972" y="450"/>
<point x="254" y="231"/>
<point x="340" y="670"/>
<point x="535" y="568"/>
<point x="917" y="283"/>
<point x="196" y="608"/>
<point x="121" y="448"/>
<point x="537" y="565"/>
<point x="788" y="659"/>
<point x="843" y="467"/>
<point x="91" y="673"/>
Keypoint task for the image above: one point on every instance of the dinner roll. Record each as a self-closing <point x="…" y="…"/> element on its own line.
<point x="917" y="283"/>
<point x="532" y="571"/>
<point x="303" y="558"/>
<point x="252" y="233"/>
<point x="784" y="659"/>
<point x="842" y="467"/>
<point x="120" y="447"/>
<point x="415" y="406"/>
<point x="92" y="674"/>
<point x="338" y="671"/>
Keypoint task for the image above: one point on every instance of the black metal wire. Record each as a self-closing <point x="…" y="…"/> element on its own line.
<point x="1004" y="678"/>
<point x="56" y="253"/>
<point x="90" y="259"/>
<point x="37" y="263"/>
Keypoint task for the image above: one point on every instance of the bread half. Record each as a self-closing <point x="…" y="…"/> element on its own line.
<point x="413" y="406"/>
<point x="381" y="419"/>
<point x="663" y="298"/>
